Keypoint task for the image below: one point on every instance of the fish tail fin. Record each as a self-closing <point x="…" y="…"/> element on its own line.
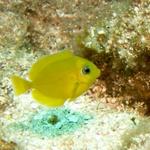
<point x="20" y="85"/>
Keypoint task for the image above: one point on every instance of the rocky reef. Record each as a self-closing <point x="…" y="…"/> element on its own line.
<point x="120" y="46"/>
<point x="115" y="35"/>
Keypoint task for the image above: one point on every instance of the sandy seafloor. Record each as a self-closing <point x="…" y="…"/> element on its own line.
<point x="105" y="130"/>
<point x="85" y="124"/>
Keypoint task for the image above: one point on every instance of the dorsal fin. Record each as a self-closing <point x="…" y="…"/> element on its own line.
<point x="46" y="60"/>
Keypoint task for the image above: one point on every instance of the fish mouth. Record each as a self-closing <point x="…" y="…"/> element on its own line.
<point x="98" y="73"/>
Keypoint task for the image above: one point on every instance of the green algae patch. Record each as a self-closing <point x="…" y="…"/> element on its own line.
<point x="53" y="122"/>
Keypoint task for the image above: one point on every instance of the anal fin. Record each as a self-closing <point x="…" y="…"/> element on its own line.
<point x="45" y="100"/>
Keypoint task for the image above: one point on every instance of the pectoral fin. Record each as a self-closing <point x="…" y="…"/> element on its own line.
<point x="79" y="88"/>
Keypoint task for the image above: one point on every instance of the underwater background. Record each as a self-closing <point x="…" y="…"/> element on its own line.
<point x="114" y="113"/>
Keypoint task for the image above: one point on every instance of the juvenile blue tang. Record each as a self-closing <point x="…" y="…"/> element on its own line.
<point x="53" y="79"/>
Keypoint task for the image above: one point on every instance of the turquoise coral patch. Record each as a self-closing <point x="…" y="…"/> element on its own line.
<point x="67" y="121"/>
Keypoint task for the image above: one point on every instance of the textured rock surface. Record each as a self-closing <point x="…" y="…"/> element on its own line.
<point x="30" y="29"/>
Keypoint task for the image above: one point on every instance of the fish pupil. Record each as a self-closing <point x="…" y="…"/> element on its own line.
<point x="86" y="70"/>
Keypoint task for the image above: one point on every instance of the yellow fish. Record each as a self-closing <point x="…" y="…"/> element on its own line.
<point x="56" y="78"/>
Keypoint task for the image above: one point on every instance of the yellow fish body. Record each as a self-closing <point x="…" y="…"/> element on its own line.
<point x="56" y="78"/>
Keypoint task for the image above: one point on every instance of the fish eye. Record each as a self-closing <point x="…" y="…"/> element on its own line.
<point x="86" y="70"/>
